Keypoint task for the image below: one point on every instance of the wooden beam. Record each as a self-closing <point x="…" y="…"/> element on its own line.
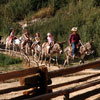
<point x="32" y="80"/>
<point x="17" y="74"/>
<point x="83" y="86"/>
<point x="71" y="70"/>
<point x="64" y="91"/>
<point x="72" y="82"/>
<point x="14" y="89"/>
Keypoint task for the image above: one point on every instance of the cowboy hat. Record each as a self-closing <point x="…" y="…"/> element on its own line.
<point x="74" y="29"/>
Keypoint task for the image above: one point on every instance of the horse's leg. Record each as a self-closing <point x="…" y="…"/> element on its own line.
<point x="49" y="61"/>
<point x="45" y="58"/>
<point x="6" y="48"/>
<point x="65" y="62"/>
<point x="68" y="60"/>
<point x="32" y="54"/>
<point x="13" y="47"/>
<point x="56" y="59"/>
<point x="39" y="57"/>
<point x="35" y="56"/>
<point x="82" y="59"/>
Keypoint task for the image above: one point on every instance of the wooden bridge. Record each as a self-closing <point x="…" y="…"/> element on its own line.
<point x="39" y="80"/>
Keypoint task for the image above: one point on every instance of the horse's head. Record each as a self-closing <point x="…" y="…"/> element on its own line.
<point x="58" y="48"/>
<point x="87" y="48"/>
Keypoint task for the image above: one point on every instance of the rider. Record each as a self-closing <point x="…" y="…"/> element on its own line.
<point x="25" y="38"/>
<point x="37" y="38"/>
<point x="12" y="35"/>
<point x="74" y="40"/>
<point x="50" y="41"/>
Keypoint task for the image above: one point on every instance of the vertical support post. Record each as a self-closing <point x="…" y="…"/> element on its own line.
<point x="43" y="80"/>
<point x="66" y="96"/>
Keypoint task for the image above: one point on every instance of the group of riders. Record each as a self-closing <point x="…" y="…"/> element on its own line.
<point x="74" y="40"/>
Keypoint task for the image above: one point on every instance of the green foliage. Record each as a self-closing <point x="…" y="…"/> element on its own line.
<point x="44" y="12"/>
<point x="6" y="60"/>
<point x="66" y="14"/>
<point x="84" y="15"/>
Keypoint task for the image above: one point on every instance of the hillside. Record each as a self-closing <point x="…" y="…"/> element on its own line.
<point x="55" y="16"/>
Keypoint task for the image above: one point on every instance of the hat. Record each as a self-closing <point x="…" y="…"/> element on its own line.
<point x="48" y="34"/>
<point x="74" y="29"/>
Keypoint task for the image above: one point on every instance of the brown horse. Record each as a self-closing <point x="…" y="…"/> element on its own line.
<point x="84" y="50"/>
<point x="54" y="51"/>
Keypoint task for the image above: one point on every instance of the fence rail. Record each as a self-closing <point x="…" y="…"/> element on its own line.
<point x="39" y="77"/>
<point x="66" y="71"/>
<point x="18" y="74"/>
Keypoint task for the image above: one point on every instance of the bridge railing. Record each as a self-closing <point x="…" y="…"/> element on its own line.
<point x="38" y="78"/>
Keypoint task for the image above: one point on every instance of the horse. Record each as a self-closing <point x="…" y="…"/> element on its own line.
<point x="16" y="44"/>
<point x="28" y="47"/>
<point x="55" y="51"/>
<point x="8" y="44"/>
<point x="36" y="51"/>
<point x="84" y="50"/>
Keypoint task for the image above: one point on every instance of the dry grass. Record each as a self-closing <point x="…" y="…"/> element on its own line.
<point x="44" y="12"/>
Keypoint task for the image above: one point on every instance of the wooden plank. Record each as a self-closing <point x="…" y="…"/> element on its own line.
<point x="64" y="91"/>
<point x="13" y="89"/>
<point x="72" y="82"/>
<point x="32" y="80"/>
<point x="71" y="70"/>
<point x="17" y="74"/>
<point x="83" y="86"/>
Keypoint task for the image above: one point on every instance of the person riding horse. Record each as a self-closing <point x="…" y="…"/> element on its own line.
<point x="25" y="38"/>
<point x="12" y="36"/>
<point x="50" y="42"/>
<point x="74" y="41"/>
<point x="36" y="42"/>
<point x="37" y="39"/>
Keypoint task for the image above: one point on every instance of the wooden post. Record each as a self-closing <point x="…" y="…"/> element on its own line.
<point x="43" y="80"/>
<point x="66" y="96"/>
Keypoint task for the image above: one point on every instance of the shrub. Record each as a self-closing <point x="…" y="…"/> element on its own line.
<point x="6" y="60"/>
<point x="44" y="12"/>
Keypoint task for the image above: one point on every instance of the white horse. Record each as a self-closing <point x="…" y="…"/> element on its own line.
<point x="8" y="44"/>
<point x="16" y="44"/>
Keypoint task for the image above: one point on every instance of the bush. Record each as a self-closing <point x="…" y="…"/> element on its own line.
<point x="44" y="12"/>
<point x="84" y="15"/>
<point x="6" y="60"/>
<point x="67" y="14"/>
